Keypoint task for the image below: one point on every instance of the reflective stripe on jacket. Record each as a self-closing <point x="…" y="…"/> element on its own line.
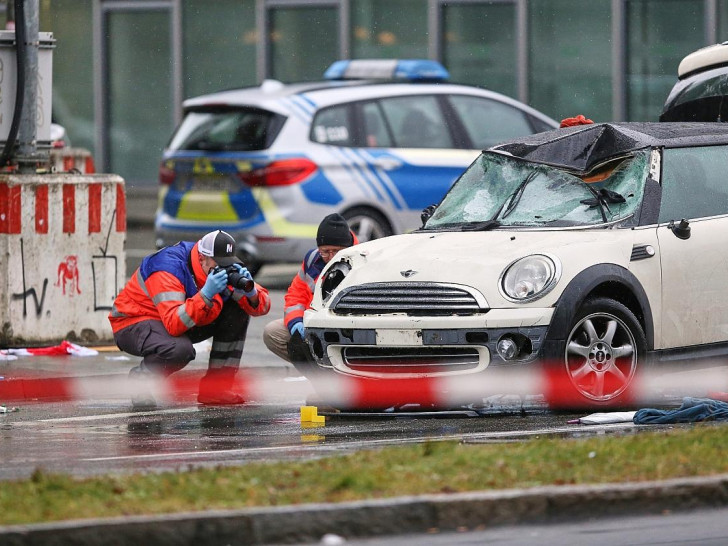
<point x="300" y="292"/>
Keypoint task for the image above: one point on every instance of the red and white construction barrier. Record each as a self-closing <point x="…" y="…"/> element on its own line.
<point x="62" y="255"/>
<point x="72" y="160"/>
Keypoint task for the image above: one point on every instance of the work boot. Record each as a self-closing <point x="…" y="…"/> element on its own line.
<point x="216" y="388"/>
<point x="139" y="380"/>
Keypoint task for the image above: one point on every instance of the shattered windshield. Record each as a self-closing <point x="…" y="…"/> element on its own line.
<point x="498" y="190"/>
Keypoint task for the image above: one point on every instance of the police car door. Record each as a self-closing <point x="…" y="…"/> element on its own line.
<point x="410" y="153"/>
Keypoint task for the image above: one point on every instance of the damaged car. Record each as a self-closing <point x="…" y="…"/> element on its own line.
<point x="594" y="251"/>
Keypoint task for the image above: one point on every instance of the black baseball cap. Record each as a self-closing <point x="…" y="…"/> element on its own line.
<point x="220" y="246"/>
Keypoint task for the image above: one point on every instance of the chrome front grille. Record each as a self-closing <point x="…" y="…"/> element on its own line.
<point x="422" y="299"/>
<point x="374" y="360"/>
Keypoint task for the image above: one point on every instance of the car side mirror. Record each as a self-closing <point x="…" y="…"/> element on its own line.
<point x="681" y="230"/>
<point x="427" y="213"/>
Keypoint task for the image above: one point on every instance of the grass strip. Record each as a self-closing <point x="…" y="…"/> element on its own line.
<point x="433" y="467"/>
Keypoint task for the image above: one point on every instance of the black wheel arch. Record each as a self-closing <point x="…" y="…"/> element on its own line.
<point x="605" y="280"/>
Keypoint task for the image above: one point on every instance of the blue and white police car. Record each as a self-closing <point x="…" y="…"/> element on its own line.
<point x="377" y="141"/>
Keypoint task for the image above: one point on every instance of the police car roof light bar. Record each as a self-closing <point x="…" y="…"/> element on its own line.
<point x="387" y="69"/>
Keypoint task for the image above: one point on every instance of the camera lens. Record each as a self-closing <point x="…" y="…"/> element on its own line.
<point x="236" y="280"/>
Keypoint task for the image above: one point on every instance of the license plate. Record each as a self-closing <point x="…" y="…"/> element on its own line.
<point x="206" y="183"/>
<point x="214" y="183"/>
<point x="399" y="337"/>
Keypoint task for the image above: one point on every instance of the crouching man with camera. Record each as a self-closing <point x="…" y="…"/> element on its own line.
<point x="179" y="296"/>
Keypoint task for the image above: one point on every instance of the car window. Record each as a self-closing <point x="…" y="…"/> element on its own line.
<point x="376" y="132"/>
<point x="333" y="126"/>
<point x="488" y="122"/>
<point x="416" y="122"/>
<point x="226" y="129"/>
<point x="694" y="183"/>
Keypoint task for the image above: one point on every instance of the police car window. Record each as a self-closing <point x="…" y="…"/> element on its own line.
<point x="416" y="122"/>
<point x="376" y="133"/>
<point x="224" y="130"/>
<point x="332" y="126"/>
<point x="693" y="183"/>
<point x="488" y="122"/>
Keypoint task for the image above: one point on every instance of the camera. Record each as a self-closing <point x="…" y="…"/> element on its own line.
<point x="235" y="279"/>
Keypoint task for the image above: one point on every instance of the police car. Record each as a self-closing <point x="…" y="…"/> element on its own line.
<point x="377" y="141"/>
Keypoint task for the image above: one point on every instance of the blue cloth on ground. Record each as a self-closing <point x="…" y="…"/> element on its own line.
<point x="691" y="411"/>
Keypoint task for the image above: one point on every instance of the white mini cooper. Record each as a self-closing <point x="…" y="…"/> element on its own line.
<point x="593" y="250"/>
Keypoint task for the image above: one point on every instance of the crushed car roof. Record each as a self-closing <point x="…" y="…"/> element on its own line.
<point x="584" y="147"/>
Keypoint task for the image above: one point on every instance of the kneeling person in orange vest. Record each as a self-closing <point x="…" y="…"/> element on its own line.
<point x="181" y="295"/>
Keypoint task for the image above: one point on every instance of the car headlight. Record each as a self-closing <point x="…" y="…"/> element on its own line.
<point x="333" y="277"/>
<point x="530" y="278"/>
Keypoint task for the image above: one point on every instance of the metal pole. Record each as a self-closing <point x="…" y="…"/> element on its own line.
<point x="27" y="145"/>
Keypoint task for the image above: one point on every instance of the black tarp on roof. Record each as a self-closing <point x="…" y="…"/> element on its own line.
<point x="583" y="147"/>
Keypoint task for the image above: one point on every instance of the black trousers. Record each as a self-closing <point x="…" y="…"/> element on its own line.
<point x="165" y="354"/>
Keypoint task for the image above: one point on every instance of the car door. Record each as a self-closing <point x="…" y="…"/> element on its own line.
<point x="694" y="269"/>
<point x="392" y="156"/>
<point x="410" y="145"/>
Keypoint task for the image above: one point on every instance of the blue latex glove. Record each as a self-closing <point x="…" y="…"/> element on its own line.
<point x="297" y="329"/>
<point x="215" y="283"/>
<point x="246" y="274"/>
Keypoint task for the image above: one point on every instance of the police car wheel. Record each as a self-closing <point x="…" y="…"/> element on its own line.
<point x="368" y="224"/>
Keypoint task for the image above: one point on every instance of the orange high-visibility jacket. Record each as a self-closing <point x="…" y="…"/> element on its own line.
<point x="300" y="292"/>
<point x="166" y="287"/>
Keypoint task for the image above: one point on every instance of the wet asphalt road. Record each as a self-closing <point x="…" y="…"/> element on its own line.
<point x="107" y="436"/>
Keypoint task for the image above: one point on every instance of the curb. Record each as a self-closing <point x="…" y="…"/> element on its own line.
<point x="404" y="515"/>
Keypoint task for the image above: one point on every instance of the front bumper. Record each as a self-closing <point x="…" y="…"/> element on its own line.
<point x="399" y="346"/>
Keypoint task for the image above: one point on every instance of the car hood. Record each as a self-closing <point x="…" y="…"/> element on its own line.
<point x="478" y="259"/>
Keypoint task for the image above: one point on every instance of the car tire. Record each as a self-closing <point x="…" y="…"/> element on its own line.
<point x="367" y="224"/>
<point x="602" y="353"/>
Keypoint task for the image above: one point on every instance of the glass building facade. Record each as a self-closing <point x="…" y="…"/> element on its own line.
<point x="123" y="67"/>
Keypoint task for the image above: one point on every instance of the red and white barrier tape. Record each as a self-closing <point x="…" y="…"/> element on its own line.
<point x="355" y="392"/>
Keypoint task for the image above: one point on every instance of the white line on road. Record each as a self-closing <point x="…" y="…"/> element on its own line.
<point x="106" y="416"/>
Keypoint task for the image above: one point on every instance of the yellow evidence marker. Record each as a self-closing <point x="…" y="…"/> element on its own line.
<point x="309" y="414"/>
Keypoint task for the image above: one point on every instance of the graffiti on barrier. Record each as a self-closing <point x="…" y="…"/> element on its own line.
<point x="107" y="263"/>
<point x="30" y="292"/>
<point x="68" y="275"/>
<point x="70" y="271"/>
